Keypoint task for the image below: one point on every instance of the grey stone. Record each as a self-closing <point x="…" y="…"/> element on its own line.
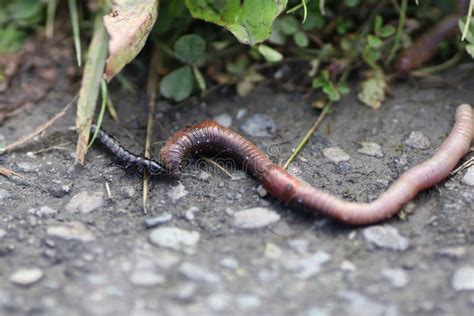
<point x="307" y="266"/>
<point x="301" y="246"/>
<point x="417" y="140"/>
<point x="468" y="178"/>
<point x="359" y="302"/>
<point x="27" y="166"/>
<point x="241" y="113"/>
<point x="219" y="301"/>
<point x="261" y="191"/>
<point x="454" y="252"/>
<point x="174" y="238"/>
<point x="177" y="192"/>
<point x="463" y="279"/>
<point x="4" y="194"/>
<point x="71" y="231"/>
<point x="85" y="202"/>
<point x="397" y="277"/>
<point x="158" y="220"/>
<point x="189" y="213"/>
<point x="253" y="218"/>
<point x="248" y="301"/>
<point x="386" y="237"/>
<point x="198" y="274"/>
<point x="185" y="291"/>
<point x="224" y="119"/>
<point x="146" y="278"/>
<point x="336" y="154"/>
<point x="43" y="211"/>
<point x="26" y="277"/>
<point x="259" y="125"/>
<point x="204" y="175"/>
<point x="2" y="233"/>
<point x="371" y="149"/>
<point x="229" y="263"/>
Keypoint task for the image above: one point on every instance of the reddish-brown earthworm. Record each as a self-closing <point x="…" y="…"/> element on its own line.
<point x="426" y="46"/>
<point x="208" y="137"/>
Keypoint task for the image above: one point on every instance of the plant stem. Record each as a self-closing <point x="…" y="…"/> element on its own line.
<point x="398" y="36"/>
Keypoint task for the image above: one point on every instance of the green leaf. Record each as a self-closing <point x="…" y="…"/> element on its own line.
<point x="190" y="48"/>
<point x="470" y="49"/>
<point x="26" y="11"/>
<point x="178" y="84"/>
<point x="11" y="39"/>
<point x="289" y="24"/>
<point x="386" y="31"/>
<point x="331" y="92"/>
<point x="318" y="83"/>
<point x="249" y="20"/>
<point x="301" y="39"/>
<point x="378" y="24"/>
<point x="343" y="89"/>
<point x="199" y="78"/>
<point x="270" y="54"/>
<point x="374" y="41"/>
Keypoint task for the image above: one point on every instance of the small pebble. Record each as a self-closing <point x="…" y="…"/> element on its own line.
<point x="454" y="252"/>
<point x="371" y="149"/>
<point x="307" y="266"/>
<point x="417" y="140"/>
<point x="43" y="211"/>
<point x="224" y="119"/>
<point x="241" y="113"/>
<point x="259" y="125"/>
<point x="254" y="218"/>
<point x="71" y="231"/>
<point x="198" y="274"/>
<point x="385" y="237"/>
<point x="229" y="263"/>
<point x="463" y="279"/>
<point x="336" y="154"/>
<point x="174" y="238"/>
<point x="219" y="301"/>
<point x="177" y="192"/>
<point x="248" y="301"/>
<point x="85" y="202"/>
<point x="397" y="277"/>
<point x="189" y="214"/>
<point x="4" y="194"/>
<point x="146" y="278"/>
<point x="27" y="277"/>
<point x="468" y="178"/>
<point x="158" y="220"/>
<point x="2" y="233"/>
<point x="301" y="246"/>
<point x="261" y="191"/>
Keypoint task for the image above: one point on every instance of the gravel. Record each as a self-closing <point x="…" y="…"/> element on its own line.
<point x="85" y="202"/>
<point x="177" y="192"/>
<point x="255" y="218"/>
<point x="71" y="231"/>
<point x="174" y="238"/>
<point x="418" y="140"/>
<point x="371" y="149"/>
<point x="336" y="154"/>
<point x="398" y="278"/>
<point x="386" y="237"/>
<point x="27" y="276"/>
<point x="259" y="125"/>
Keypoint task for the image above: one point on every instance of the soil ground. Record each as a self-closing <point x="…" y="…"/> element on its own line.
<point x="79" y="251"/>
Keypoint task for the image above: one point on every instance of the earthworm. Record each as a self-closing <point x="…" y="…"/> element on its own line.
<point x="210" y="137"/>
<point x="425" y="47"/>
<point x="126" y="157"/>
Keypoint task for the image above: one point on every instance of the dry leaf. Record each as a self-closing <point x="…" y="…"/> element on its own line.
<point x="128" y="25"/>
<point x="372" y="90"/>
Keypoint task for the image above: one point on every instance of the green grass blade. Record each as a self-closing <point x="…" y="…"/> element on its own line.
<point x="104" y="96"/>
<point x="75" y="29"/>
<point x="91" y="81"/>
<point x="51" y="12"/>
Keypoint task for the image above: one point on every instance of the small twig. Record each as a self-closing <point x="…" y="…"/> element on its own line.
<point x="310" y="133"/>
<point x="465" y="165"/>
<point x="55" y="147"/>
<point x="40" y="129"/>
<point x="152" y="87"/>
<point x="212" y="162"/>
<point x="109" y="192"/>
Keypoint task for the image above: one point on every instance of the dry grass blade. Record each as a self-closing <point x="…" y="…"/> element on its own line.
<point x="152" y="87"/>
<point x="8" y="172"/>
<point x="212" y="162"/>
<point x="89" y="92"/>
<point x="40" y="129"/>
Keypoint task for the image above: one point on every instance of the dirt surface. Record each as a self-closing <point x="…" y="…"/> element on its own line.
<point x="75" y="240"/>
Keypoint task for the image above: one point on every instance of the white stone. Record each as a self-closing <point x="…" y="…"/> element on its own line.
<point x="85" y="202"/>
<point x="253" y="218"/>
<point x="468" y="178"/>
<point x="71" y="231"/>
<point x="463" y="279"/>
<point x="336" y="154"/>
<point x="174" y="238"/>
<point x="27" y="277"/>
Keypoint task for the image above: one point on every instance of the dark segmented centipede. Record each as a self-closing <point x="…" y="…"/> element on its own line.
<point x="210" y="137"/>
<point x="126" y="157"/>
